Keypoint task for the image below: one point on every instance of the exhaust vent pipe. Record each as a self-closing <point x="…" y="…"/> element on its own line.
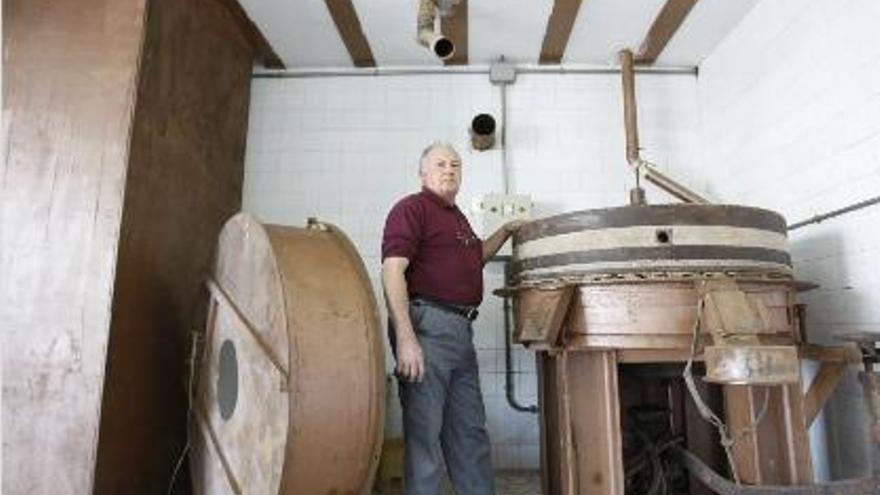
<point x="441" y="46"/>
<point x="483" y="132"/>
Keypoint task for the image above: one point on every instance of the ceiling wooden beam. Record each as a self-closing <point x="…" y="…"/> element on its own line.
<point x="668" y="21"/>
<point x="349" y="27"/>
<point x="455" y="27"/>
<point x="558" y="31"/>
<point x="263" y="51"/>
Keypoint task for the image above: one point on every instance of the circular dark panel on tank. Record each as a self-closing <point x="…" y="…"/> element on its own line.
<point x="227" y="379"/>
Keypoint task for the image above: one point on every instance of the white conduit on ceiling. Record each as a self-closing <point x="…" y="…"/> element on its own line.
<point x="413" y="70"/>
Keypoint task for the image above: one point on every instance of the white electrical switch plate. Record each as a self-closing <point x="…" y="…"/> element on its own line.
<point x="492" y="210"/>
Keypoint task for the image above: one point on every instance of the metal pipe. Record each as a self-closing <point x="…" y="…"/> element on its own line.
<point x="439" y="45"/>
<point x="631" y="126"/>
<point x="654" y="176"/>
<point x="509" y="386"/>
<point x="630" y="114"/>
<point x="409" y="70"/>
<point x="505" y="173"/>
<point x="835" y="213"/>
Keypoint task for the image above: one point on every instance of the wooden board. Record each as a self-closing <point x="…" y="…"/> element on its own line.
<point x="549" y="423"/>
<point x="558" y="31"/>
<point x="539" y="313"/>
<point x="184" y="179"/>
<point x="670" y="18"/>
<point x="658" y="315"/>
<point x="349" y="27"/>
<point x="69" y="81"/>
<point x="580" y="424"/>
<point x="455" y="27"/>
<point x="777" y="451"/>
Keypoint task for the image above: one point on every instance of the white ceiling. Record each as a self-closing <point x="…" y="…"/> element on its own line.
<point x="304" y="36"/>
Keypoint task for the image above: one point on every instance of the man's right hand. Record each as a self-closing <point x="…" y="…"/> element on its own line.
<point x="410" y="361"/>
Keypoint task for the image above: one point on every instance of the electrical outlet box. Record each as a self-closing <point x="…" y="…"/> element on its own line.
<point x="494" y="210"/>
<point x="502" y="73"/>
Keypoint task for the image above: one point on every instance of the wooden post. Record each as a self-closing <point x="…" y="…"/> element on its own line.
<point x="777" y="450"/>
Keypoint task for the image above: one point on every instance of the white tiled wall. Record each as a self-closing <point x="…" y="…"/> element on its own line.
<point x="790" y="105"/>
<point x="345" y="149"/>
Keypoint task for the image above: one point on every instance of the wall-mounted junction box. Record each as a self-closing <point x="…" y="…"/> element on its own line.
<point x="492" y="210"/>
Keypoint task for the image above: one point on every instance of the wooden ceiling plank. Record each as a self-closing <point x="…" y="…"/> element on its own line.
<point x="455" y="27"/>
<point x="263" y="51"/>
<point x="559" y="26"/>
<point x="668" y="21"/>
<point x="349" y="26"/>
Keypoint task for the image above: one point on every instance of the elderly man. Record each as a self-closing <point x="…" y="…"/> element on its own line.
<point x="432" y="271"/>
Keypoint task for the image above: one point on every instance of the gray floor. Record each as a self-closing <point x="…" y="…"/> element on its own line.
<point x="506" y="483"/>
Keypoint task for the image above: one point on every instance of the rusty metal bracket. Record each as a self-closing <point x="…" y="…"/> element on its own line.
<point x="723" y="486"/>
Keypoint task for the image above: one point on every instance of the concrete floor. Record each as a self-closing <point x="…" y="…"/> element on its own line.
<point x="506" y="483"/>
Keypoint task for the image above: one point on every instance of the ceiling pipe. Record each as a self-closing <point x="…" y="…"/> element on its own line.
<point x="439" y="45"/>
<point x="415" y="70"/>
<point x="642" y="168"/>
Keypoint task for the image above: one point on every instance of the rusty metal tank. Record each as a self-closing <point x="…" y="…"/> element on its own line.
<point x="290" y="383"/>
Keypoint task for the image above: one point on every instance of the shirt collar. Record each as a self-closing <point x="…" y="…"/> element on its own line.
<point x="436" y="198"/>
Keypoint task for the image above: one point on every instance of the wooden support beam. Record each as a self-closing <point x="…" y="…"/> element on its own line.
<point x="776" y="450"/>
<point x="455" y="27"/>
<point x="668" y="21"/>
<point x="263" y="51"/>
<point x="539" y="314"/>
<point x="351" y="32"/>
<point x="558" y="31"/>
<point x="740" y="412"/>
<point x="820" y="389"/>
<point x="595" y="428"/>
<point x="845" y="354"/>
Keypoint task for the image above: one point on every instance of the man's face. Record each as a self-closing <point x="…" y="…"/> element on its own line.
<point x="441" y="173"/>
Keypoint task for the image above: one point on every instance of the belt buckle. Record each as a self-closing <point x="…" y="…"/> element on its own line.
<point x="471" y="313"/>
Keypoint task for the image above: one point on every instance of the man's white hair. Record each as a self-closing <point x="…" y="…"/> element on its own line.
<point x="437" y="145"/>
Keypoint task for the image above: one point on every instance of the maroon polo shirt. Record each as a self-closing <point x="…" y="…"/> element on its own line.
<point x="445" y="257"/>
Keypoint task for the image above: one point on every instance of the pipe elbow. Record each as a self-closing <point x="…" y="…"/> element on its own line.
<point x="439" y="45"/>
<point x="634" y="161"/>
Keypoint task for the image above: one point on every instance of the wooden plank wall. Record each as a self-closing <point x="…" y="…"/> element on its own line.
<point x="124" y="150"/>
<point x="69" y="79"/>
<point x="184" y="180"/>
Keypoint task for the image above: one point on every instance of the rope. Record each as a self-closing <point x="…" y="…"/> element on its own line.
<point x="727" y="441"/>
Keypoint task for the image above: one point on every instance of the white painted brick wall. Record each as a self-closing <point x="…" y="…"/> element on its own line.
<point x="790" y="105"/>
<point x="345" y="149"/>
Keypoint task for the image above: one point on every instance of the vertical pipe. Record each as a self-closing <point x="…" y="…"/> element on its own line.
<point x="630" y="116"/>
<point x="509" y="375"/>
<point x="505" y="171"/>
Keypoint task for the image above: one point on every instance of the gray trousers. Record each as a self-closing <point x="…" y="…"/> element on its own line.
<point x="443" y="415"/>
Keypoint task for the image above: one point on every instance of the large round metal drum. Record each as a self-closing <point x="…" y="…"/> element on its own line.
<point x="675" y="238"/>
<point x="291" y="377"/>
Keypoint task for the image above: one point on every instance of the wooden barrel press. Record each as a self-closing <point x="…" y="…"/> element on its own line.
<point x="290" y="380"/>
<point x="656" y="284"/>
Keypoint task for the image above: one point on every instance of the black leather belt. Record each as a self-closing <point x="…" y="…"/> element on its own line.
<point x="468" y="312"/>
